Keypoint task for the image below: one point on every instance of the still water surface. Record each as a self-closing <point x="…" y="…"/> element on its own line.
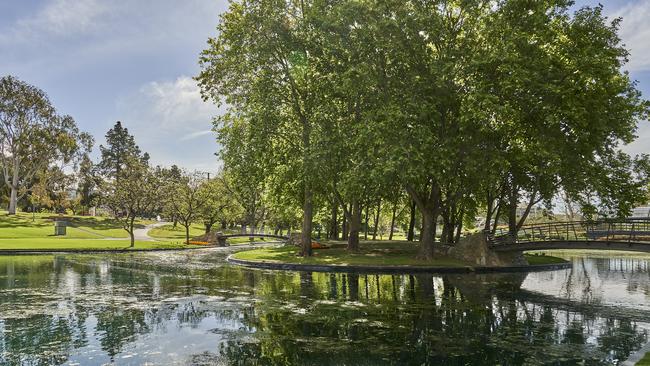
<point x="193" y="308"/>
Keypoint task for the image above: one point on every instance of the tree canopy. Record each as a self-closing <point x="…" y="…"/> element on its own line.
<point x="468" y="106"/>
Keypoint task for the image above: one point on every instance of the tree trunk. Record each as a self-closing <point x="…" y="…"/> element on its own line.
<point x="308" y="208"/>
<point x="131" y="224"/>
<point x="374" y="231"/>
<point x="428" y="234"/>
<point x="224" y="224"/>
<point x="512" y="212"/>
<point x="187" y="233"/>
<point x="392" y="222"/>
<point x="428" y="203"/>
<point x="355" y="226"/>
<point x="344" y="226"/>
<point x="496" y="217"/>
<point x="365" y="232"/>
<point x="334" y="227"/>
<point x="13" y="197"/>
<point x="411" y="232"/>
<point x="208" y="227"/>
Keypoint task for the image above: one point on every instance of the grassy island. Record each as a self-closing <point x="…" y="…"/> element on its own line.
<point x="371" y="253"/>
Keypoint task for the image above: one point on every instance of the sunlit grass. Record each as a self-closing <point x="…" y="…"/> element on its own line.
<point x="178" y="232"/>
<point x="389" y="253"/>
<point x="59" y="243"/>
<point x="41" y="225"/>
<point x="371" y="253"/>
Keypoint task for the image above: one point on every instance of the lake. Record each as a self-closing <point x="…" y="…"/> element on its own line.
<point x="193" y="308"/>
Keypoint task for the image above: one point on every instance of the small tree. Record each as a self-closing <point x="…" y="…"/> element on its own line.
<point x="87" y="183"/>
<point x="134" y="191"/>
<point x="185" y="200"/>
<point x="218" y="204"/>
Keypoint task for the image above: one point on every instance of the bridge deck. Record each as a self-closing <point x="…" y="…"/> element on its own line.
<point x="631" y="234"/>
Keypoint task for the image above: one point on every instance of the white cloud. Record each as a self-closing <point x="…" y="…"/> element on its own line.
<point x="58" y="18"/>
<point x="173" y="105"/>
<point x="635" y="33"/>
<point x="171" y="122"/>
<point x="193" y="135"/>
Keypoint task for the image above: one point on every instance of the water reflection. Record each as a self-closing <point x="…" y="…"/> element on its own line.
<point x="191" y="308"/>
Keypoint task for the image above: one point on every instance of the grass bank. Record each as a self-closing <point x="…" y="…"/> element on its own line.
<point x="370" y="254"/>
<point x="64" y="244"/>
<point x="25" y="231"/>
<point x="41" y="225"/>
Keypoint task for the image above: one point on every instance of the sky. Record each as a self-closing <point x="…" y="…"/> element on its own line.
<point x="101" y="61"/>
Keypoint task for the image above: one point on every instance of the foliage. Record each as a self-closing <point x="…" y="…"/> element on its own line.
<point x="120" y="148"/>
<point x="218" y="204"/>
<point x="185" y="200"/>
<point x="33" y="136"/>
<point x="134" y="192"/>
<point x="468" y="106"/>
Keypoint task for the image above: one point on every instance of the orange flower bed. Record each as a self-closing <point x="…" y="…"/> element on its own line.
<point x="199" y="242"/>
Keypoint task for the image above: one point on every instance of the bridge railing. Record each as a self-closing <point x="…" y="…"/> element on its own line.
<point x="621" y="230"/>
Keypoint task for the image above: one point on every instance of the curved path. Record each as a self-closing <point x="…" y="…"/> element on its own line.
<point x="143" y="234"/>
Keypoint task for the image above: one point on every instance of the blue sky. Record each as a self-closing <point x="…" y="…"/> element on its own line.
<point x="132" y="60"/>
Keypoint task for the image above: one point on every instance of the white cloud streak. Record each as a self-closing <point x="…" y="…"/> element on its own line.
<point x="165" y="115"/>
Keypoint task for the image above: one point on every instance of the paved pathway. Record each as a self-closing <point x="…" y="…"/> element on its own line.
<point x="143" y="234"/>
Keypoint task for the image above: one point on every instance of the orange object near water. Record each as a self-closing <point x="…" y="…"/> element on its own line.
<point x="317" y="245"/>
<point x="199" y="242"/>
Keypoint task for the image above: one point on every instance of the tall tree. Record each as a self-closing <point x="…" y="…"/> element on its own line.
<point x="87" y="184"/>
<point x="33" y="136"/>
<point x="120" y="148"/>
<point x="261" y="63"/>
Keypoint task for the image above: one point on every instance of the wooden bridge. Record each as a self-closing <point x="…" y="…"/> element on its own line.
<point x="631" y="234"/>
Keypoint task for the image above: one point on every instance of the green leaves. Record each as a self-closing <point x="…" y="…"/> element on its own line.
<point x="460" y="101"/>
<point x="33" y="137"/>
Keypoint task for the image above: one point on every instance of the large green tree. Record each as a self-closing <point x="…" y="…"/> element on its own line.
<point x="466" y="105"/>
<point x="33" y="136"/>
<point x="261" y="64"/>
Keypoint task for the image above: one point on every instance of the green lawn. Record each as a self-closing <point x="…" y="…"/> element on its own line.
<point x="24" y="225"/>
<point x="543" y="259"/>
<point x="387" y="253"/>
<point x="26" y="232"/>
<point x="169" y="232"/>
<point x="371" y="253"/>
<point x="58" y="243"/>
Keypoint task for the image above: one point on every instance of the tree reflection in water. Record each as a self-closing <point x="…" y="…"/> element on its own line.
<point x="91" y="310"/>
